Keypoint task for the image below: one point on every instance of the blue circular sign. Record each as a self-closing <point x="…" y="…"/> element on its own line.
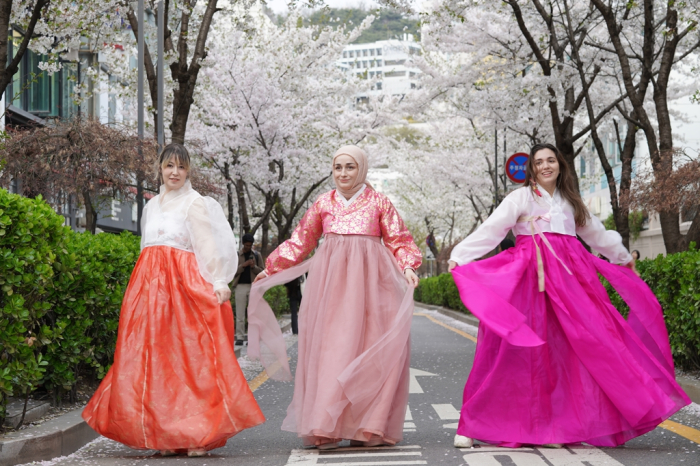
<point x="516" y="165"/>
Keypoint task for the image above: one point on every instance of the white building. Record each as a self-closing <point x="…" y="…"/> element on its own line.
<point x="387" y="61"/>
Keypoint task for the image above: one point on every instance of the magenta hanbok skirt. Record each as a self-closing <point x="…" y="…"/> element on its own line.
<point x="352" y="372"/>
<point x="563" y="366"/>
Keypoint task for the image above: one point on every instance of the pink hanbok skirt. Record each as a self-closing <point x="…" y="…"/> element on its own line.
<point x="352" y="373"/>
<point x="563" y="366"/>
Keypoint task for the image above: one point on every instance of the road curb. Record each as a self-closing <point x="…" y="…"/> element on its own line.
<point x="462" y="317"/>
<point x="58" y="437"/>
<point x="61" y="436"/>
<point x="689" y="385"/>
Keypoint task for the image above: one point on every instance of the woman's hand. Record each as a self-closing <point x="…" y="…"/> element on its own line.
<point x="223" y="295"/>
<point x="260" y="276"/>
<point x="632" y="265"/>
<point x="411" y="277"/>
<point x="451" y="265"/>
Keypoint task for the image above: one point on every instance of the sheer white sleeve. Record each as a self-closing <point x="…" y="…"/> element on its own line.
<point x="144" y="221"/>
<point x="606" y="242"/>
<point x="489" y="234"/>
<point x="212" y="241"/>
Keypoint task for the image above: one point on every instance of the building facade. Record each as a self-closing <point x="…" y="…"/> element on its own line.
<point x="386" y="62"/>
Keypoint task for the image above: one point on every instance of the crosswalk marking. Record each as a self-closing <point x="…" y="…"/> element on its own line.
<point x="408" y="425"/>
<point x="414" y="386"/>
<point x="571" y="456"/>
<point x="377" y="456"/>
<point x="447" y="412"/>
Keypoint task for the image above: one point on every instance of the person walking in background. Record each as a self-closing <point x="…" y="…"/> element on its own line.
<point x="250" y="264"/>
<point x="175" y="384"/>
<point x="352" y="372"/>
<point x="635" y="255"/>
<point x="294" y="296"/>
<point x="555" y="362"/>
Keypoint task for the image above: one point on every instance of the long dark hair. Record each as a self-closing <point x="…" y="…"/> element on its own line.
<point x="565" y="182"/>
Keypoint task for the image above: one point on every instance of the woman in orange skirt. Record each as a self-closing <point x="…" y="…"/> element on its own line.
<point x="175" y="385"/>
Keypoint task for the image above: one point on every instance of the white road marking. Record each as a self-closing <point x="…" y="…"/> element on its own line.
<point x="409" y="426"/>
<point x="452" y="425"/>
<point x="571" y="456"/>
<point x="317" y="457"/>
<point x="446" y="412"/>
<point x="414" y="386"/>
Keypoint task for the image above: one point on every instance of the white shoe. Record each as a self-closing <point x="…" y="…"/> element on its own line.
<point x="553" y="445"/>
<point x="196" y="453"/>
<point x="463" y="442"/>
<point x="168" y="453"/>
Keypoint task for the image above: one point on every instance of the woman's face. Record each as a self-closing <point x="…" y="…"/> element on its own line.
<point x="174" y="174"/>
<point x="345" y="171"/>
<point x="546" y="167"/>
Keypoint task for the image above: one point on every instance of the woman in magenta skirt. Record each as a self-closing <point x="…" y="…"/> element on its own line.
<point x="555" y="362"/>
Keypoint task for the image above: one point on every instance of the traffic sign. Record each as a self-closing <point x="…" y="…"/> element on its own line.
<point x="516" y="165"/>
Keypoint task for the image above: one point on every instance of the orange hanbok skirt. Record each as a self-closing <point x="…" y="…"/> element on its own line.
<point x="175" y="383"/>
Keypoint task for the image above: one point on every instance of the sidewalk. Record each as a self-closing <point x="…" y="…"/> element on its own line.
<point x="63" y="435"/>
<point x="690" y="385"/>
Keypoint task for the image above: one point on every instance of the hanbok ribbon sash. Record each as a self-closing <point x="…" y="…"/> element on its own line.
<point x="535" y="228"/>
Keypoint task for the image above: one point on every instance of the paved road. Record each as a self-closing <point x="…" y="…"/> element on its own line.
<point x="443" y="350"/>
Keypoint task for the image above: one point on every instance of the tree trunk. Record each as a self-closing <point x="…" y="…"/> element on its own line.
<point x="229" y="193"/>
<point x="622" y="223"/>
<point x="90" y="214"/>
<point x="242" y="207"/>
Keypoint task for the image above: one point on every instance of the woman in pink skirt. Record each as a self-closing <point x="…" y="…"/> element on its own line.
<point x="555" y="362"/>
<point x="352" y="373"/>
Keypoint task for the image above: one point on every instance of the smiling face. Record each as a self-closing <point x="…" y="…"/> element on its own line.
<point x="174" y="173"/>
<point x="546" y="168"/>
<point x="345" y="172"/>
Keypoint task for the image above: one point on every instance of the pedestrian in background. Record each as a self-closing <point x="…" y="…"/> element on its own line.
<point x="556" y="363"/>
<point x="352" y="373"/>
<point x="250" y="264"/>
<point x="294" y="296"/>
<point x="635" y="255"/>
<point x="175" y="384"/>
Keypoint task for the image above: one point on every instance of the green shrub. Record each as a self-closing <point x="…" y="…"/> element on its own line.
<point x="440" y="291"/>
<point x="276" y="297"/>
<point x="31" y="234"/>
<point x="90" y="280"/>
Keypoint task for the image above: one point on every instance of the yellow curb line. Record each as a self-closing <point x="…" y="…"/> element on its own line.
<point x="679" y="429"/>
<point x="464" y="334"/>
<point x="262" y="377"/>
<point x="684" y="431"/>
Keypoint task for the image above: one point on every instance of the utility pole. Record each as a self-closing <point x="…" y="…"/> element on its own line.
<point x="140" y="117"/>
<point x="160" y="76"/>
<point x="495" y="165"/>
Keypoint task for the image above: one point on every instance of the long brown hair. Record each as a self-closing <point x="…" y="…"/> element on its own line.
<point x="565" y="182"/>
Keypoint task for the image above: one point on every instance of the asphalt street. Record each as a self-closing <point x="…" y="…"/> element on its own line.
<point x="442" y="354"/>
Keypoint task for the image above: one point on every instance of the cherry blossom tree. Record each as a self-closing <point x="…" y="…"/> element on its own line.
<point x="272" y="108"/>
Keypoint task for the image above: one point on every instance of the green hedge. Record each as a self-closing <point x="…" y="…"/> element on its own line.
<point x="60" y="298"/>
<point x="674" y="279"/>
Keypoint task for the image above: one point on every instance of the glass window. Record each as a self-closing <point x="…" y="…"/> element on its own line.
<point x="379" y="86"/>
<point x="39" y="85"/>
<point x="371" y="52"/>
<point x="379" y="51"/>
<point x="379" y="63"/>
<point x="345" y="54"/>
